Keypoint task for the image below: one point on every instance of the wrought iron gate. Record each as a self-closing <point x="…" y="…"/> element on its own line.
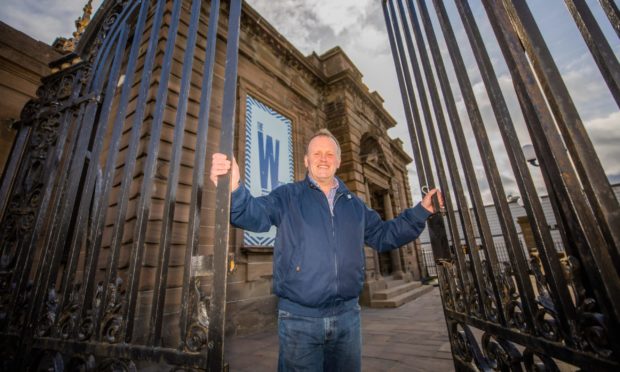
<point x="542" y="310"/>
<point x="101" y="263"/>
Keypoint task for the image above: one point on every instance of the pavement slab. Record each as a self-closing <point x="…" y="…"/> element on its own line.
<point x="412" y="337"/>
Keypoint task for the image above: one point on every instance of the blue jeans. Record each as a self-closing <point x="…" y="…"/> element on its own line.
<point x="320" y="344"/>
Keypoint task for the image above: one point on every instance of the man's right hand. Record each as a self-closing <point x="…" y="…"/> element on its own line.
<point x="220" y="165"/>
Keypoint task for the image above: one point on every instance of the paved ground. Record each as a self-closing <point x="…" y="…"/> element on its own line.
<point x="412" y="337"/>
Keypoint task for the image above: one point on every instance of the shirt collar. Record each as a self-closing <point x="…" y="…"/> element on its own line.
<point x="334" y="186"/>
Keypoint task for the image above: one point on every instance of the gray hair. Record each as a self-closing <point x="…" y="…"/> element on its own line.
<point x="324" y="133"/>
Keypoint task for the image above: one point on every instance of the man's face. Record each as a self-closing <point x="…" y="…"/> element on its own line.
<point x="322" y="159"/>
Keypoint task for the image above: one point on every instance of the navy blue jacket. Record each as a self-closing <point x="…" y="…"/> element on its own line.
<point x="318" y="265"/>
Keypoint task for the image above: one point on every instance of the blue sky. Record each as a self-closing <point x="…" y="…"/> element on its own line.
<point x="357" y="27"/>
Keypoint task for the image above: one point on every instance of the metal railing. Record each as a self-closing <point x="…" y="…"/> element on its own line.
<point x="536" y="308"/>
<point x="90" y="224"/>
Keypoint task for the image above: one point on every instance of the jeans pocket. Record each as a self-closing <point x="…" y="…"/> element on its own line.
<point x="284" y="314"/>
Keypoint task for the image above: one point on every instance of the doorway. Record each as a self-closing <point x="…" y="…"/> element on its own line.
<point x="377" y="203"/>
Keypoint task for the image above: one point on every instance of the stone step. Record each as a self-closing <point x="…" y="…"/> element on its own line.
<point x="401" y="299"/>
<point x="393" y="291"/>
<point x="391" y="282"/>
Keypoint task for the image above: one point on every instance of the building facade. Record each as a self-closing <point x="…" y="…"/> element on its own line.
<point x="316" y="91"/>
<point x="23" y="62"/>
<point x="305" y="93"/>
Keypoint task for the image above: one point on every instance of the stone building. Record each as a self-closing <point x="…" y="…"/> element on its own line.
<point x="306" y="92"/>
<point x="23" y="62"/>
<point x="321" y="91"/>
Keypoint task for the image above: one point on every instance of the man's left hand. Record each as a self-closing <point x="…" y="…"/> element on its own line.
<point x="427" y="201"/>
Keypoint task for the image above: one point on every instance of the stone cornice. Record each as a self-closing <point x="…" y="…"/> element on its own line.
<point x="347" y="79"/>
<point x="253" y="23"/>
<point x="313" y="66"/>
<point x="396" y="144"/>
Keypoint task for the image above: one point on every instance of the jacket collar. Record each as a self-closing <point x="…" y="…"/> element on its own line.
<point x="342" y="188"/>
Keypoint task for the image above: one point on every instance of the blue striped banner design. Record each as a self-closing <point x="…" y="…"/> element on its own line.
<point x="251" y="103"/>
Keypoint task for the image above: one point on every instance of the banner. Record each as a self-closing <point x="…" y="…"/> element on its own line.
<point x="268" y="157"/>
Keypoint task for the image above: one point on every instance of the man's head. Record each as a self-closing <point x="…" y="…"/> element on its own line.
<point x="322" y="157"/>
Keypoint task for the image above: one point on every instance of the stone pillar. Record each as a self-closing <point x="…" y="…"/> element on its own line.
<point x="397" y="268"/>
<point x="375" y="254"/>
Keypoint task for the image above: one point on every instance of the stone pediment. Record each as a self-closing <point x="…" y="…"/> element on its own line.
<point x="373" y="157"/>
<point x="377" y="161"/>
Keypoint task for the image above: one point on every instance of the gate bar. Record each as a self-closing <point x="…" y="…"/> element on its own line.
<point x="137" y="248"/>
<point x="432" y="136"/>
<point x="56" y="163"/>
<point x="161" y="277"/>
<point x="463" y="271"/>
<point x="472" y="183"/>
<point x="193" y="229"/>
<point x="477" y="270"/>
<point x="612" y="12"/>
<point x="597" y="189"/>
<point x="49" y="254"/>
<point x="439" y="167"/>
<point x="146" y="189"/>
<point x="540" y="227"/>
<point x="556" y="166"/>
<point x="436" y="225"/>
<point x="497" y="190"/>
<point x="597" y="43"/>
<point x="408" y="96"/>
<point x="87" y="188"/>
<point x="222" y="195"/>
<point x="467" y="164"/>
<point x="11" y="170"/>
<point x="61" y="219"/>
<point x="96" y="225"/>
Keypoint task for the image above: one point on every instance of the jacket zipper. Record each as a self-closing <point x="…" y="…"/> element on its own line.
<point x="338" y="195"/>
<point x="331" y="215"/>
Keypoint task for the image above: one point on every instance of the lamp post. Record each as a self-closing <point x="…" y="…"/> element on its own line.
<point x="530" y="154"/>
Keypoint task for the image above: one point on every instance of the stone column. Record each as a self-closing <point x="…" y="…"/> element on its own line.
<point x="375" y="254"/>
<point x="397" y="268"/>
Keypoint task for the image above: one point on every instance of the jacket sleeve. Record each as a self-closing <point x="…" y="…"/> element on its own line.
<point x="387" y="235"/>
<point x="255" y="214"/>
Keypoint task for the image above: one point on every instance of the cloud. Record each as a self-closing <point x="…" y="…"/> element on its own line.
<point x="588" y="89"/>
<point x="340" y="15"/>
<point x="295" y="19"/>
<point x="357" y="26"/>
<point x="319" y="25"/>
<point x="605" y="137"/>
<point x="43" y="20"/>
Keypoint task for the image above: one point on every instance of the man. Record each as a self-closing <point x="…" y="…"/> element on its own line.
<point x="318" y="265"/>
